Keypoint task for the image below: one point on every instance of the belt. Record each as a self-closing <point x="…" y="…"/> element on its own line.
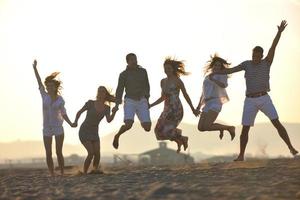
<point x="135" y="98"/>
<point x="258" y="94"/>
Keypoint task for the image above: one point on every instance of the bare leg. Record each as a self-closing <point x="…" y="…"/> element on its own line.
<point x="284" y="135"/>
<point x="243" y="143"/>
<point x="179" y="144"/>
<point x="96" y="150"/>
<point x="185" y="142"/>
<point x="48" y="148"/>
<point x="89" y="147"/>
<point x="123" y="129"/>
<point x="206" y="123"/>
<point x="59" y="140"/>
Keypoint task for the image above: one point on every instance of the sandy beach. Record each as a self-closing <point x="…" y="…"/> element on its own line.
<point x="257" y="179"/>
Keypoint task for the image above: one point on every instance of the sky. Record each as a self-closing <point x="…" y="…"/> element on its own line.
<point x="87" y="42"/>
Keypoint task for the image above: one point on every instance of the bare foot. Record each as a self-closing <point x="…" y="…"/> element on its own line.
<point x="179" y="144"/>
<point x="96" y="171"/>
<point x="116" y="142"/>
<point x="239" y="158"/>
<point x="185" y="142"/>
<point x="231" y="131"/>
<point x="221" y="134"/>
<point x="294" y="152"/>
<point x="80" y="173"/>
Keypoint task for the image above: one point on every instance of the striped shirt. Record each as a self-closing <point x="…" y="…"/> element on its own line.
<point x="257" y="76"/>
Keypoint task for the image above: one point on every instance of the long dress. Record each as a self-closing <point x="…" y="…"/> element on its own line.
<point x="166" y="127"/>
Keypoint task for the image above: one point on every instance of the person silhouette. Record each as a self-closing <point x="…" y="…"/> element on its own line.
<point x="257" y="75"/>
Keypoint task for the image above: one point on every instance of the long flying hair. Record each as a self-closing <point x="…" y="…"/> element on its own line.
<point x="57" y="83"/>
<point x="215" y="58"/>
<point x="109" y="97"/>
<point x="178" y="66"/>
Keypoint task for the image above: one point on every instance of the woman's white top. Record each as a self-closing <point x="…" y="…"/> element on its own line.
<point x="211" y="90"/>
<point x="52" y="110"/>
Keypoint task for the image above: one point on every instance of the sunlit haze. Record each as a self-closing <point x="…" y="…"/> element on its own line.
<point x="87" y="42"/>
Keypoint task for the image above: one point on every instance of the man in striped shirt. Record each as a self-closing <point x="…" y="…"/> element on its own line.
<point x="257" y="75"/>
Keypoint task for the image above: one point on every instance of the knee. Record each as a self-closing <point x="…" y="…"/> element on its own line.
<point x="147" y="126"/>
<point x="90" y="155"/>
<point x="48" y="153"/>
<point x="277" y="124"/>
<point x="156" y="130"/>
<point x="128" y="125"/>
<point x="245" y="130"/>
<point x="201" y="127"/>
<point x="97" y="154"/>
<point x="59" y="154"/>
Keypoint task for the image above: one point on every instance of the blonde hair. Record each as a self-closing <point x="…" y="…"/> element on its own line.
<point x="109" y="97"/>
<point x="213" y="59"/>
<point x="178" y="66"/>
<point x="57" y="83"/>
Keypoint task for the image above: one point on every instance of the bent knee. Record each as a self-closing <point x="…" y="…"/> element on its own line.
<point x="128" y="124"/>
<point x="146" y="126"/>
<point x="202" y="127"/>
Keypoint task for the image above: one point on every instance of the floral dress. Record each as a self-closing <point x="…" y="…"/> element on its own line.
<point x="166" y="127"/>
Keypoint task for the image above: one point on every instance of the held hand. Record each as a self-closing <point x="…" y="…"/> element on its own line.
<point x="282" y="26"/>
<point x="196" y="112"/>
<point x="34" y="64"/>
<point x="74" y="124"/>
<point x="115" y="109"/>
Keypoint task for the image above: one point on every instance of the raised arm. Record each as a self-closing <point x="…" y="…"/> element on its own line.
<point x="38" y="78"/>
<point x="271" y="53"/>
<point x="186" y="96"/>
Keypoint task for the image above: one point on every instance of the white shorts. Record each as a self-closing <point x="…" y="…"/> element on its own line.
<point x="213" y="104"/>
<point x="253" y="105"/>
<point x="53" y="131"/>
<point x="140" y="108"/>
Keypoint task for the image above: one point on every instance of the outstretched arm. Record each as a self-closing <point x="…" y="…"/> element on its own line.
<point x="37" y="75"/>
<point x="229" y="70"/>
<point x="271" y="52"/>
<point x="185" y="94"/>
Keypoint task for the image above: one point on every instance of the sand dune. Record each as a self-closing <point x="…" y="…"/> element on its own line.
<point x="260" y="179"/>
